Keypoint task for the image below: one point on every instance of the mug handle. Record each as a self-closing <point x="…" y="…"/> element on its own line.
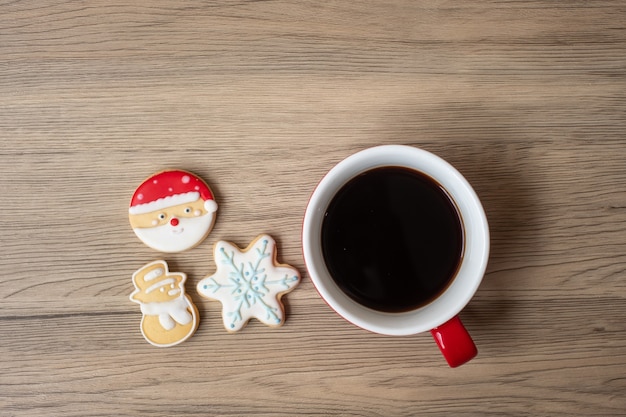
<point x="455" y="342"/>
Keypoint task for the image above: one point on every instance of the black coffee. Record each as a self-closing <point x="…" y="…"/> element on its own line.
<point x="392" y="239"/>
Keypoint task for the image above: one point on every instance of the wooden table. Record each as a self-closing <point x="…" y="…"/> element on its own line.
<point x="526" y="99"/>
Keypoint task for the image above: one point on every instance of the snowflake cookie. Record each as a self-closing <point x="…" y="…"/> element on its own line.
<point x="169" y="315"/>
<point x="249" y="283"/>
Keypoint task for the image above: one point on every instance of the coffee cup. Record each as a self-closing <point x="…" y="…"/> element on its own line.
<point x="396" y="241"/>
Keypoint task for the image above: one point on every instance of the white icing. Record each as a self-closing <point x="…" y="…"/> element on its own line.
<point x="248" y="283"/>
<point x="166" y="321"/>
<point x="162" y="203"/>
<point x="159" y="284"/>
<point x="167" y="238"/>
<point x="173" y="292"/>
<point x="210" y="205"/>
<point x="155" y="273"/>
<point x="181" y="316"/>
<point x="169" y="312"/>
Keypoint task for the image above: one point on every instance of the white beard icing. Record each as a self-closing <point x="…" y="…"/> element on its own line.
<point x="167" y="238"/>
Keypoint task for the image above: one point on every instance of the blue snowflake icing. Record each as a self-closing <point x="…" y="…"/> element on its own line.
<point x="249" y="284"/>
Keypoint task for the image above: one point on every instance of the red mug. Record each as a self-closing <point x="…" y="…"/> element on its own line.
<point x="440" y="315"/>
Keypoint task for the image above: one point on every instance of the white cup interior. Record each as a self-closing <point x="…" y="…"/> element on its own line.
<point x="476" y="245"/>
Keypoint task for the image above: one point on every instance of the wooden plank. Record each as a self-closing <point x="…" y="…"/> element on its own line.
<point x="526" y="99"/>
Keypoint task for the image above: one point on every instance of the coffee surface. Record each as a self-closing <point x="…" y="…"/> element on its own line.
<point x="392" y="239"/>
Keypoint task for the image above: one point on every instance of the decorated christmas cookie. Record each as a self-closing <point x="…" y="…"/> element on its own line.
<point x="172" y="211"/>
<point x="249" y="283"/>
<point x="169" y="315"/>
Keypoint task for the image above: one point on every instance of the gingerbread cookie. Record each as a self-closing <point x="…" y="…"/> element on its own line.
<point x="169" y="315"/>
<point x="172" y="211"/>
<point x="249" y="283"/>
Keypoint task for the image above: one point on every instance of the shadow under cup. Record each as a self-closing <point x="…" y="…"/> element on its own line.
<point x="452" y="297"/>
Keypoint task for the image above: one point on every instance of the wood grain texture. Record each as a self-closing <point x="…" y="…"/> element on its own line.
<point x="261" y="98"/>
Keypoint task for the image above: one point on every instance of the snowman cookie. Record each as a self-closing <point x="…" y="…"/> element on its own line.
<point x="169" y="315"/>
<point x="172" y="211"/>
<point x="249" y="283"/>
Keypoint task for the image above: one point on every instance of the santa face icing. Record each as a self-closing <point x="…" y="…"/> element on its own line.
<point x="169" y="315"/>
<point x="172" y="211"/>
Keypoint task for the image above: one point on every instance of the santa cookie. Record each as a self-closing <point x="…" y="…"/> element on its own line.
<point x="169" y="315"/>
<point x="249" y="283"/>
<point x="172" y="211"/>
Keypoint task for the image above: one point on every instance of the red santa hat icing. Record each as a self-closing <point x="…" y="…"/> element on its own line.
<point x="170" y="188"/>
